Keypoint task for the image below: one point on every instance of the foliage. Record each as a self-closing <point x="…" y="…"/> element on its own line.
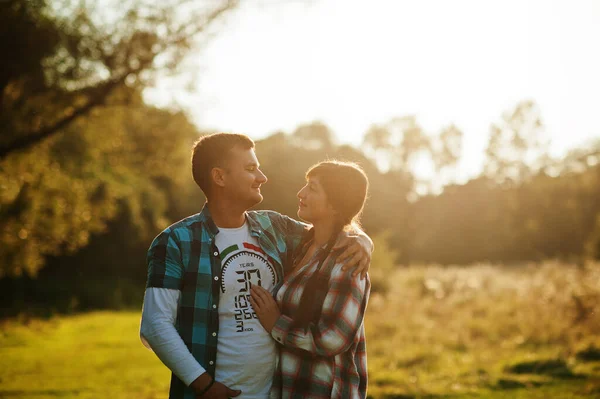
<point x="517" y="147"/>
<point x="547" y="217"/>
<point x="73" y="56"/>
<point x="77" y="142"/>
<point x="89" y="173"/>
<point x="401" y="145"/>
<point x="56" y="195"/>
<point x="383" y="264"/>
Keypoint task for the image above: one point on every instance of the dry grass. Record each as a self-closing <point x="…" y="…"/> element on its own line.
<point x="444" y="330"/>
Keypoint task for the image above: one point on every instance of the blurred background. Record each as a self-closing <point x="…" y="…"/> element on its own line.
<point x="476" y="121"/>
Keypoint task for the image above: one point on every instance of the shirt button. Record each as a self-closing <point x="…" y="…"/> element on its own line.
<point x="214" y="334"/>
<point x="214" y="306"/>
<point x="216" y="278"/>
<point x="211" y="362"/>
<point x="215" y="253"/>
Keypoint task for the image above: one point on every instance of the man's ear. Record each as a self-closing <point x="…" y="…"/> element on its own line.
<point x="218" y="176"/>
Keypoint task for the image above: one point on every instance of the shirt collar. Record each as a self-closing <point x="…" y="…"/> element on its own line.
<point x="213" y="230"/>
<point x="206" y="217"/>
<point x="255" y="226"/>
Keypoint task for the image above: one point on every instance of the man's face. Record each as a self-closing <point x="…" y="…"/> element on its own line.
<point x="243" y="177"/>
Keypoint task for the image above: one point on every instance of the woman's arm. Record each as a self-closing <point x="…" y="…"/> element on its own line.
<point x="341" y="317"/>
<point x="358" y="246"/>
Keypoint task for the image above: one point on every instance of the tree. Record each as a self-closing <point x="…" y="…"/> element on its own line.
<point x="315" y="135"/>
<point x="56" y="195"/>
<point x="401" y="145"/>
<point x="517" y="148"/>
<point x="78" y="143"/>
<point x="72" y="57"/>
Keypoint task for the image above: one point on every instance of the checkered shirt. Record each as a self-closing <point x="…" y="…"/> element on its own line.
<point x="184" y="257"/>
<point x="328" y="359"/>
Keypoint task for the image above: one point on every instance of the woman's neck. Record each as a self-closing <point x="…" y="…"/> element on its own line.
<point x="323" y="231"/>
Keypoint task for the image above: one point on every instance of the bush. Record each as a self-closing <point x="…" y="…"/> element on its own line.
<point x="383" y="264"/>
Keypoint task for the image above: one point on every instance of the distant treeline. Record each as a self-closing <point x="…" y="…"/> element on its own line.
<point x="483" y="220"/>
<point x="90" y="173"/>
<point x="490" y="218"/>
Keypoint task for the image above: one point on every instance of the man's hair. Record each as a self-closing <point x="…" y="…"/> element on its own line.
<point x="213" y="151"/>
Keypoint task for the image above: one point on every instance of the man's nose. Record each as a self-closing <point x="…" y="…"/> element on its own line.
<point x="262" y="177"/>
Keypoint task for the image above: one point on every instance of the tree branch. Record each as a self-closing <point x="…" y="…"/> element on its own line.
<point x="29" y="140"/>
<point x="105" y="89"/>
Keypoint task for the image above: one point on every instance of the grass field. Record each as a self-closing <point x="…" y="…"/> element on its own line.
<point x="433" y="332"/>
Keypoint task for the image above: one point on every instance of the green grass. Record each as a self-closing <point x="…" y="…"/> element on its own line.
<point x="95" y="355"/>
<point x="524" y="332"/>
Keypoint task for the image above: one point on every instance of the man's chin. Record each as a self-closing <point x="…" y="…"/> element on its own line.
<point x="256" y="200"/>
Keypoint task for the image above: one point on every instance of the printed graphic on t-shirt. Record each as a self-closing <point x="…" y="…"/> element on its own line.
<point x="242" y="268"/>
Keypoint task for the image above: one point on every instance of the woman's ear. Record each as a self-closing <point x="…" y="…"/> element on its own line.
<point x="333" y="211"/>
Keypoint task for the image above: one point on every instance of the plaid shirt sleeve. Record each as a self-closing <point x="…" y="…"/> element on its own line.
<point x="341" y="317"/>
<point x="164" y="260"/>
<point x="295" y="231"/>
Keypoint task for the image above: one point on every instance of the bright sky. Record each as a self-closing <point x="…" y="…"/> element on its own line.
<point x="353" y="63"/>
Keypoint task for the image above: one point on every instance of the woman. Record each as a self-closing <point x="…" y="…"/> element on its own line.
<point x="318" y="313"/>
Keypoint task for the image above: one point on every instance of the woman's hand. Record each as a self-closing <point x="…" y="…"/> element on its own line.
<point x="264" y="306"/>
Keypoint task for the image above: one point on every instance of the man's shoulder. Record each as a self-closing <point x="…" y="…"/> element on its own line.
<point x="185" y="223"/>
<point x="180" y="229"/>
<point x="266" y="213"/>
<point x="272" y="220"/>
<point x="265" y="216"/>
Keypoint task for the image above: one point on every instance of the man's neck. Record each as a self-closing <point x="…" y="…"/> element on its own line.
<point x="226" y="215"/>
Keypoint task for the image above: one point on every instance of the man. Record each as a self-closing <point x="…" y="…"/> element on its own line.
<point x="197" y="316"/>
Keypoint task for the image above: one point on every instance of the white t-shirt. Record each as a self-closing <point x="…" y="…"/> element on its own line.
<point x="246" y="353"/>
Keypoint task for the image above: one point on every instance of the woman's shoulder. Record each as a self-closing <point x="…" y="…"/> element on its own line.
<point x="344" y="277"/>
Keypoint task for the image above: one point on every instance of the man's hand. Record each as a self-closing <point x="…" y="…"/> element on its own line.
<point x="357" y="255"/>
<point x="216" y="391"/>
<point x="264" y="306"/>
<point x="219" y="391"/>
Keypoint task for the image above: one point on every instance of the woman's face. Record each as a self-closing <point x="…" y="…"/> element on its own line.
<point x="313" y="205"/>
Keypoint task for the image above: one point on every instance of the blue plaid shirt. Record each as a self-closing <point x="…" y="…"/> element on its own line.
<point x="184" y="257"/>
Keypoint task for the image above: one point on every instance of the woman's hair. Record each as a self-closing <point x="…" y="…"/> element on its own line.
<point x="345" y="185"/>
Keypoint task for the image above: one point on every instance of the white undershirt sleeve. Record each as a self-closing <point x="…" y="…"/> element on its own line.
<point x="157" y="332"/>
